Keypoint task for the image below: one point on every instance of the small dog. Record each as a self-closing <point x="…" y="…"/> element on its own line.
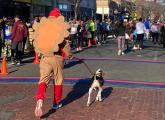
<point x="97" y="82"/>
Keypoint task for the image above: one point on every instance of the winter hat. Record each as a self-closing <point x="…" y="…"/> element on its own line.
<point x="54" y="13"/>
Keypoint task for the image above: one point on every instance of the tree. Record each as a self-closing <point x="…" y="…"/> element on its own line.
<point x="130" y="6"/>
<point x="76" y="4"/>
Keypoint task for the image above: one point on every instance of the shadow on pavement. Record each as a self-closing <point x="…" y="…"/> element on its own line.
<point x="51" y="111"/>
<point x="13" y="71"/>
<point x="81" y="88"/>
<point x="30" y="60"/>
<point x="106" y="92"/>
<point x="78" y="91"/>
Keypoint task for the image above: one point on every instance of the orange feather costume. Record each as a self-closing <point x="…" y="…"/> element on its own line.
<point x="49" y="40"/>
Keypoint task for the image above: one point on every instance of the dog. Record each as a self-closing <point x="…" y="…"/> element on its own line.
<point x="97" y="82"/>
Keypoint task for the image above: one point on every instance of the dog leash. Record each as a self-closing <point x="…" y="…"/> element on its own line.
<point x="81" y="60"/>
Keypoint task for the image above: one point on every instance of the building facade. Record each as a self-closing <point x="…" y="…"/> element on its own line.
<point x="66" y="8"/>
<point x="41" y="7"/>
<point x="27" y="9"/>
<point x="102" y="8"/>
<point x="87" y="8"/>
<point x="10" y="8"/>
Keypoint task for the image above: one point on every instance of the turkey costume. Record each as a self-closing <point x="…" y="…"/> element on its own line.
<point x="49" y="40"/>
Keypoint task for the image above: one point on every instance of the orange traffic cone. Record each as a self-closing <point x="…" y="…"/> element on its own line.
<point x="4" y="67"/>
<point x="89" y="43"/>
<point x="36" y="60"/>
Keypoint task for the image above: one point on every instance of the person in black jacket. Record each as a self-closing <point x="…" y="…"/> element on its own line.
<point x="163" y="34"/>
<point x="120" y="33"/>
<point x="80" y="30"/>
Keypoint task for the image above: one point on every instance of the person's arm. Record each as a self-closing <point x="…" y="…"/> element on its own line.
<point x="13" y="31"/>
<point x="66" y="48"/>
<point x="78" y="28"/>
<point x="25" y="31"/>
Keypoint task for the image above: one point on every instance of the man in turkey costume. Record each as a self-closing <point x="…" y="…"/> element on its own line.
<point x="50" y="41"/>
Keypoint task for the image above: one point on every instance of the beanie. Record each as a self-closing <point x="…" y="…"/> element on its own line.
<point x="54" y="13"/>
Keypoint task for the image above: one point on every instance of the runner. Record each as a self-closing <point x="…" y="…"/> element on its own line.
<point x="50" y="42"/>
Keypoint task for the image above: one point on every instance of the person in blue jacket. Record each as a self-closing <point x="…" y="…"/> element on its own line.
<point x="7" y="37"/>
<point x="147" y="27"/>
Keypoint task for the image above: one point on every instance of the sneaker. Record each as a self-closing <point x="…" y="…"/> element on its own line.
<point x="77" y="49"/>
<point x="119" y="52"/>
<point x="134" y="48"/>
<point x="12" y="63"/>
<point x="38" y="109"/>
<point x="123" y="53"/>
<point x="99" y="43"/>
<point x="18" y="63"/>
<point x="55" y="106"/>
<point x="80" y="48"/>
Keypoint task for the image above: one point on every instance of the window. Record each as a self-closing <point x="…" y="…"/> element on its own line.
<point x="60" y="6"/>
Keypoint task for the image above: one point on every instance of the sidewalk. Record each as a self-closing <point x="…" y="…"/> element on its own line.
<point x="18" y="102"/>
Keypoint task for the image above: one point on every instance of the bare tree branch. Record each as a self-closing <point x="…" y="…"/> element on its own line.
<point x="76" y="7"/>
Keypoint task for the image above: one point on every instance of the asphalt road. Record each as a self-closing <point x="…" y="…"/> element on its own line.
<point x="141" y="65"/>
<point x="17" y="100"/>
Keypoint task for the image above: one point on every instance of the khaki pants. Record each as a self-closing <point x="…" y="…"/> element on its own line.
<point x="51" y="67"/>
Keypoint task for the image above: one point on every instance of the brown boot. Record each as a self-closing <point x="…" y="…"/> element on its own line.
<point x="38" y="109"/>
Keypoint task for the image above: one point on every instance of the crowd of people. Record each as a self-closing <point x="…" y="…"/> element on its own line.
<point x="16" y="34"/>
<point x="85" y="32"/>
<point x="139" y="31"/>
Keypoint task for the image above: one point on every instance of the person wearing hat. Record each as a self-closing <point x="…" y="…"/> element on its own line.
<point x="50" y="40"/>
